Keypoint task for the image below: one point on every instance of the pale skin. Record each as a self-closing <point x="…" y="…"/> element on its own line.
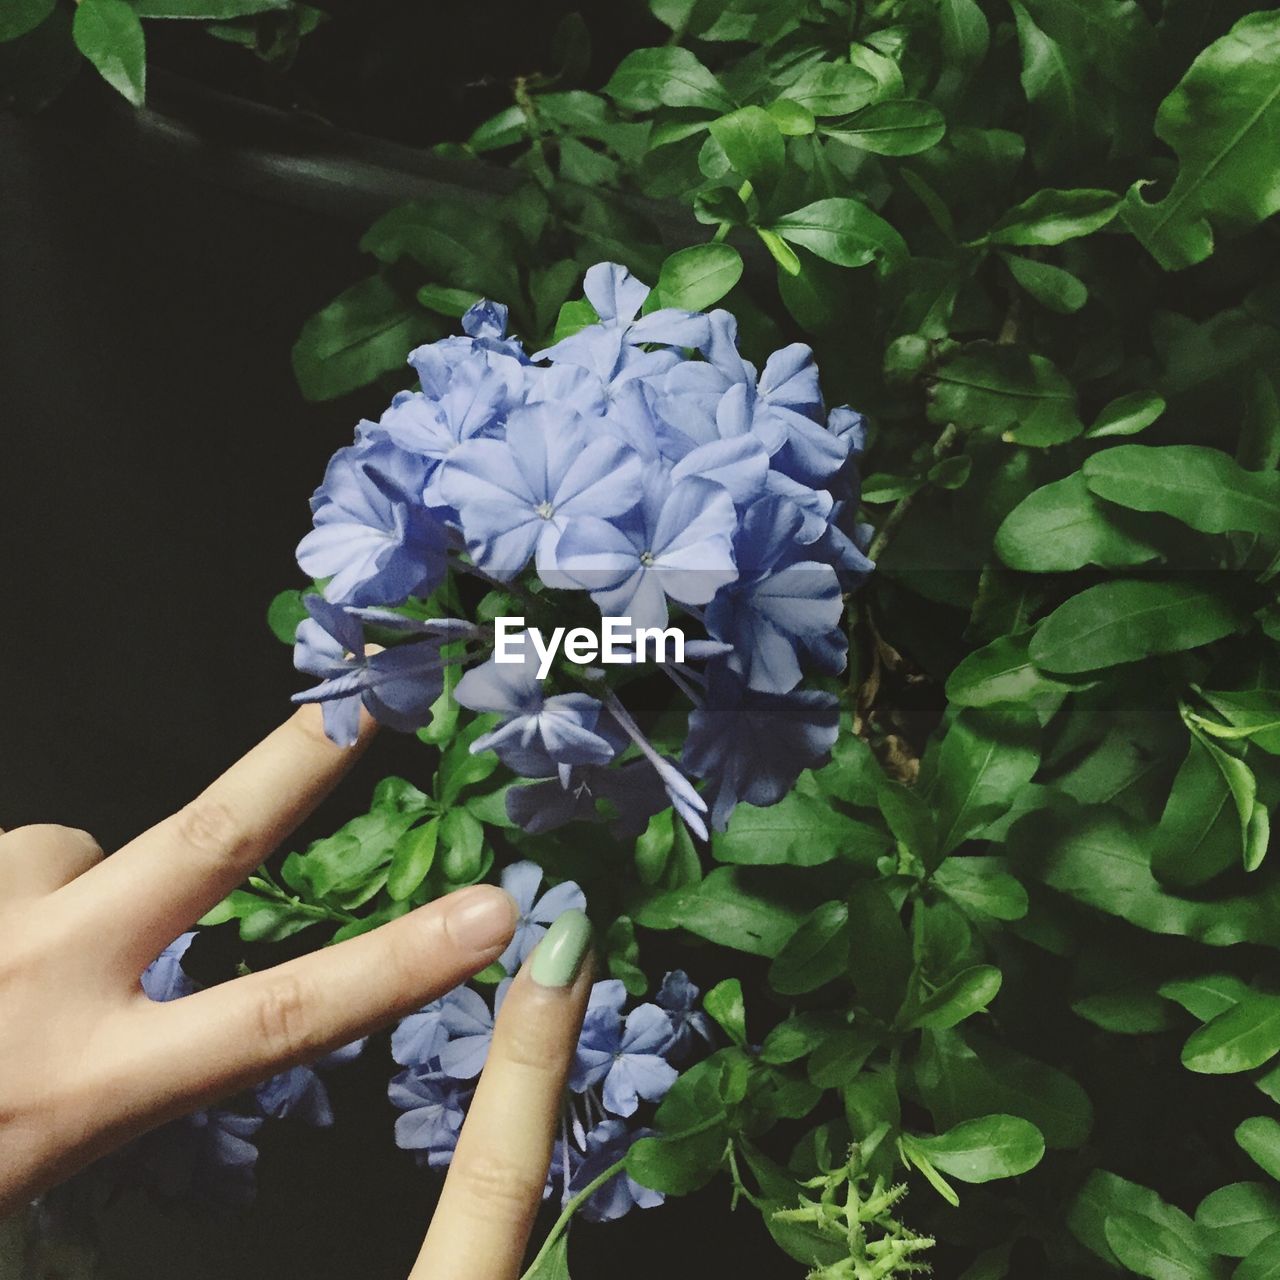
<point x="87" y="1061"/>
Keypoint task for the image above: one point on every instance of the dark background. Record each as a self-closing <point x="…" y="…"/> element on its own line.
<point x="157" y="462"/>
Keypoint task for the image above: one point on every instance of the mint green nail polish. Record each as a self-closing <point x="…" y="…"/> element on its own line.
<point x="559" y="955"/>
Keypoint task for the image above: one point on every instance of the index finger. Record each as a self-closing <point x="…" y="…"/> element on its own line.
<point x="149" y="891"/>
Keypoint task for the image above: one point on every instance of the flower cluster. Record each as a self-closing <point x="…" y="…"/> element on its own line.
<point x="622" y="1059"/>
<point x="640" y="462"/>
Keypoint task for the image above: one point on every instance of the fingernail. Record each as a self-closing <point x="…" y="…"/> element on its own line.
<point x="560" y="953"/>
<point x="481" y="918"/>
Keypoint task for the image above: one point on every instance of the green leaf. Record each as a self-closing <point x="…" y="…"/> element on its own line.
<point x="412" y="860"/>
<point x="1204" y="488"/>
<point x="891" y="127"/>
<point x="1062" y="526"/>
<point x="969" y="992"/>
<point x="1207" y="996"/>
<point x="1063" y="116"/>
<point x="832" y="89"/>
<point x="753" y="143"/>
<point x="1151" y="1249"/>
<point x="1127" y="415"/>
<point x="1105" y="1196"/>
<point x="1259" y="1138"/>
<point x="842" y="231"/>
<point x="963" y="1074"/>
<point x="1255" y="828"/>
<point x="793" y="120"/>
<point x="980" y="885"/>
<point x="783" y="254"/>
<point x="699" y="276"/>
<point x="1094" y="856"/>
<point x="984" y="1149"/>
<point x="724" y="1003"/>
<point x="909" y="818"/>
<point x="463" y="838"/>
<point x="1197" y="837"/>
<point x="1000" y="672"/>
<point x="799" y="831"/>
<point x="17" y="17"/>
<point x="1250" y="713"/>
<point x="880" y="961"/>
<point x="364" y="332"/>
<point x="799" y="1035"/>
<point x="654" y="846"/>
<point x="554" y="1264"/>
<point x="1237" y="1218"/>
<point x="1117" y="622"/>
<point x="986" y="756"/>
<point x="109" y="34"/>
<point x="666" y="77"/>
<point x="839" y="1059"/>
<point x="1050" y="286"/>
<point x="1263" y="1262"/>
<point x="284" y="613"/>
<point x="988" y="387"/>
<point x="1239" y="1039"/>
<point x="448" y="302"/>
<point x="680" y="1163"/>
<point x="1221" y="120"/>
<point x="815" y="954"/>
<point x="214" y="9"/>
<point x="722" y="909"/>
<point x="1052" y="216"/>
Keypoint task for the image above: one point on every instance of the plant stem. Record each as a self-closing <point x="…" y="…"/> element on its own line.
<point x="941" y="447"/>
<point x="558" y="1227"/>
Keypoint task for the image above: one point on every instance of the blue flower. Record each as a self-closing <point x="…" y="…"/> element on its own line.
<point x="433" y="1114"/>
<point x="398" y="686"/>
<point x="514" y="497"/>
<point x="781" y="606"/>
<point x="611" y="348"/>
<point x="522" y="880"/>
<point x="419" y="1037"/>
<point x="629" y="795"/>
<point x="164" y="978"/>
<point x="468" y="1021"/>
<point x="300" y="1092"/>
<point x="474" y="402"/>
<point x="678" y="543"/>
<point x="373" y="539"/>
<point x="679" y="997"/>
<point x="753" y="746"/>
<point x="539" y="735"/>
<point x="626" y="1055"/>
<point x="606" y="1144"/>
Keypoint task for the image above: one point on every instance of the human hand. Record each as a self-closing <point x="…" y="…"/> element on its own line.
<point x="87" y="1061"/>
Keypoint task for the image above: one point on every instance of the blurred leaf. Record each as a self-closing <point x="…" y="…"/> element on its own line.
<point x="364" y="332"/>
<point x="109" y="34"/>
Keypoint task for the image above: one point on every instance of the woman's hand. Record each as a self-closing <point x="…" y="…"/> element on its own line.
<point x="87" y="1061"/>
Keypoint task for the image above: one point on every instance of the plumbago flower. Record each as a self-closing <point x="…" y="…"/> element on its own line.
<point x="623" y="1059"/>
<point x="641" y="467"/>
